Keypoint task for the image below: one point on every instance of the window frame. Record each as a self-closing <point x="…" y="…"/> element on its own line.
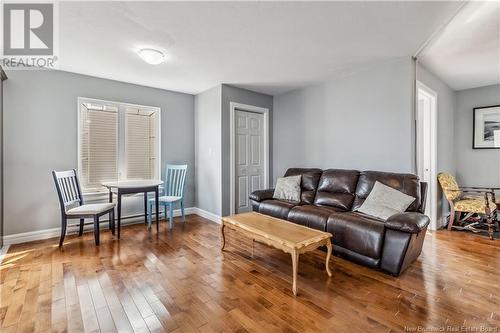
<point x="121" y="137"/>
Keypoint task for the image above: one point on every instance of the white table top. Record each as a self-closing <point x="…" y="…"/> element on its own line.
<point x="135" y="183"/>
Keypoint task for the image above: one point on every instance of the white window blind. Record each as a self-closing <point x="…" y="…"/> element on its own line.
<point x="141" y="143"/>
<point x="116" y="141"/>
<point x="98" y="145"/>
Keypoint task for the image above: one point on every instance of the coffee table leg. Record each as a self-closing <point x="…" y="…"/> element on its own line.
<point x="328" y="255"/>
<point x="222" y="236"/>
<point x="295" y="264"/>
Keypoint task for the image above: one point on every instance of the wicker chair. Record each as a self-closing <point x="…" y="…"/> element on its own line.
<point x="470" y="201"/>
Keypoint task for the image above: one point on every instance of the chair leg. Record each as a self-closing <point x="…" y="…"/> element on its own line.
<point x="491" y="223"/>
<point x="150" y="213"/>
<point x="112" y="221"/>
<point x="64" y="222"/>
<point x="452" y="216"/>
<point x="171" y="217"/>
<point x="80" y="231"/>
<point x="96" y="229"/>
<point x="119" y="212"/>
<point x="146" y="218"/>
<point x="110" y="224"/>
<point x="497" y="224"/>
<point x="182" y="212"/>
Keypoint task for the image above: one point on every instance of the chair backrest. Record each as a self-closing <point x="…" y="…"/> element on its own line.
<point x="449" y="185"/>
<point x="175" y="177"/>
<point x="68" y="188"/>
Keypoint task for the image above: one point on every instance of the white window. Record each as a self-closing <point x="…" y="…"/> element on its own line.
<point x="116" y="141"/>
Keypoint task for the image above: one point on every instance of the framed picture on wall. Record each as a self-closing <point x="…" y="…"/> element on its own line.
<point x="486" y="127"/>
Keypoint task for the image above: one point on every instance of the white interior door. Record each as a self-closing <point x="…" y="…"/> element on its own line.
<point x="249" y="153"/>
<point x="427" y="147"/>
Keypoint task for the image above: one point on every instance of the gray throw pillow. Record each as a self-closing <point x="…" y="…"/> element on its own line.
<point x="288" y="188"/>
<point x="384" y="201"/>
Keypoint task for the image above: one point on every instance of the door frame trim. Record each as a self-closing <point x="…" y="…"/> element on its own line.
<point x="233" y="106"/>
<point x="433" y="198"/>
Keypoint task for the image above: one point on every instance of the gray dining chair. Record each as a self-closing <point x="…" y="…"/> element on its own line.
<point x="73" y="207"/>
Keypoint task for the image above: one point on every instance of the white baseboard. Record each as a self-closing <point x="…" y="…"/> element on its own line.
<point x="208" y="215"/>
<point x="32" y="236"/>
<point x="3" y="252"/>
<point x="56" y="232"/>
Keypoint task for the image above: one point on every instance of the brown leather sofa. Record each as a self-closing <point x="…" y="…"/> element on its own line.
<point x="329" y="200"/>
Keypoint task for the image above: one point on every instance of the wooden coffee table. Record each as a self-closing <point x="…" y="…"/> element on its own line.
<point x="280" y="234"/>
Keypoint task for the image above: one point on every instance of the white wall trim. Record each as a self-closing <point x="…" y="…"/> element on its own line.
<point x="208" y="215"/>
<point x="232" y="174"/>
<point x="3" y="252"/>
<point x="34" y="235"/>
<point x="56" y="232"/>
<point x="433" y="214"/>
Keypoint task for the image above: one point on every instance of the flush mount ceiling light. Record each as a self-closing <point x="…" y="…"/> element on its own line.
<point x="152" y="56"/>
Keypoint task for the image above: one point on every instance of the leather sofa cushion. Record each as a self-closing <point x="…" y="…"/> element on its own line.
<point x="309" y="182"/>
<point x="276" y="208"/>
<point x="357" y="232"/>
<point x="311" y="216"/>
<point x="406" y="183"/>
<point x="262" y="195"/>
<point x="337" y="188"/>
<point x="410" y="222"/>
<point x="356" y="257"/>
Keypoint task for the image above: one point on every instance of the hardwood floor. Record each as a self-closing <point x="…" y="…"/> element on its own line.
<point x="178" y="281"/>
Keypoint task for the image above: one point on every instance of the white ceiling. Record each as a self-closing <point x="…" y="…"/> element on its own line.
<point x="270" y="47"/>
<point x="467" y="53"/>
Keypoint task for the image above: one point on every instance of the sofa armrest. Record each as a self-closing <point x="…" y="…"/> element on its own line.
<point x="261" y="195"/>
<point x="410" y="222"/>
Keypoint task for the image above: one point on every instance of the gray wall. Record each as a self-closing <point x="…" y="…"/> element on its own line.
<point x="480" y="167"/>
<point x="362" y="121"/>
<point x="243" y="96"/>
<point x="208" y="150"/>
<point x="446" y="98"/>
<point x="40" y="114"/>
